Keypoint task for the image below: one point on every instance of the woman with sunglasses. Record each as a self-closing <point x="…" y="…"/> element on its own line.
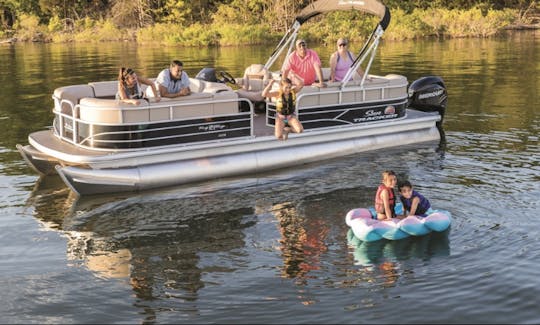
<point x="341" y="61"/>
<point x="129" y="87"/>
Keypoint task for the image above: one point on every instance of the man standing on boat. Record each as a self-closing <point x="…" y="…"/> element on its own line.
<point x="174" y="81"/>
<point x="304" y="65"/>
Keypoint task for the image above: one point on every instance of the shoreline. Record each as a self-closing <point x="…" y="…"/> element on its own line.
<point x="38" y="38"/>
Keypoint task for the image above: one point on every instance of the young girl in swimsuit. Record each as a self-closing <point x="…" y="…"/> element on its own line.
<point x="286" y="120"/>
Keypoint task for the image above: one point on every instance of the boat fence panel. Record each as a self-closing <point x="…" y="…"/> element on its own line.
<point x="118" y="126"/>
<point x="383" y="98"/>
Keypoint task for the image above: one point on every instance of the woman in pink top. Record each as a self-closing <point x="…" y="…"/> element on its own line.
<point x="305" y="65"/>
<point x="341" y="61"/>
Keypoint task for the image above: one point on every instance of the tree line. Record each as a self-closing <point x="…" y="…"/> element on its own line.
<point x="142" y="13"/>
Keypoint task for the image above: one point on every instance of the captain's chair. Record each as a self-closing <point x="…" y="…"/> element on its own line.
<point x="256" y="77"/>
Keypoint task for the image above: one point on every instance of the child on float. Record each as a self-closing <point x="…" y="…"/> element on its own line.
<point x="414" y="203"/>
<point x="286" y="119"/>
<point x="385" y="198"/>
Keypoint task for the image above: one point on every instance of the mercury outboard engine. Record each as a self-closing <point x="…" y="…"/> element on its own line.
<point x="429" y="94"/>
<point x="207" y="74"/>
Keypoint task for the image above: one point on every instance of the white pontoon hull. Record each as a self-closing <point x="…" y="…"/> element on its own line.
<point x="150" y="169"/>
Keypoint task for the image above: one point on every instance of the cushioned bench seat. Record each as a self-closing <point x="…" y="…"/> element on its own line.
<point x="378" y="88"/>
<point x="96" y="105"/>
<point x="112" y="111"/>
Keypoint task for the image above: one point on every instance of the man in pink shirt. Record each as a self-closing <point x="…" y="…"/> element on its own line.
<point x="304" y="65"/>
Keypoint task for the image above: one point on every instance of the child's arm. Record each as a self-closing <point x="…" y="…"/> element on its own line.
<point x="153" y="86"/>
<point x="267" y="93"/>
<point x="386" y="199"/>
<point x="414" y="205"/>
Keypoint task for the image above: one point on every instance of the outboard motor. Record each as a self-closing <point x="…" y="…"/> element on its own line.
<point x="207" y="74"/>
<point x="429" y="94"/>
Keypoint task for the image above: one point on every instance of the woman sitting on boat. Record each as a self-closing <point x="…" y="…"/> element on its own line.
<point x="285" y="107"/>
<point x="341" y="60"/>
<point x="129" y="87"/>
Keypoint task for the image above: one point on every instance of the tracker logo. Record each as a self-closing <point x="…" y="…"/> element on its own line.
<point x="389" y="110"/>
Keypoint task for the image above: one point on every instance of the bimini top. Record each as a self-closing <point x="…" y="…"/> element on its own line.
<point x="373" y="7"/>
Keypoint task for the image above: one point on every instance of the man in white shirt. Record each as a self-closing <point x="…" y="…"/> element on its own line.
<point x="174" y="81"/>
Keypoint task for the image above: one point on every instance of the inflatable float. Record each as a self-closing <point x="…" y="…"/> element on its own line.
<point x="375" y="252"/>
<point x="368" y="229"/>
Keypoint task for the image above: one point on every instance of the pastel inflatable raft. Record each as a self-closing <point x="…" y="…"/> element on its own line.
<point x="368" y="229"/>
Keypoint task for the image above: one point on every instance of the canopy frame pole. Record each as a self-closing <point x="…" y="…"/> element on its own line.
<point x="371" y="49"/>
<point x="293" y="31"/>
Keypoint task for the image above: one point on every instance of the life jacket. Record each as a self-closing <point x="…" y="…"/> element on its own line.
<point x="423" y="205"/>
<point x="286" y="106"/>
<point x="379" y="204"/>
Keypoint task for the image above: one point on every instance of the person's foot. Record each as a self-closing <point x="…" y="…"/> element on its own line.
<point x="286" y="133"/>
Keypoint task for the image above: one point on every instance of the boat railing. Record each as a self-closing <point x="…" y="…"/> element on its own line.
<point x="157" y="124"/>
<point x="336" y="105"/>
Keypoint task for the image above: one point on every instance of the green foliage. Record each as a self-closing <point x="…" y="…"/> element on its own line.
<point x="407" y="26"/>
<point x="247" y="12"/>
<point x="28" y="27"/>
<point x="234" y="34"/>
<point x="467" y="23"/>
<point x="177" y="11"/>
<point x="55" y="24"/>
<point x="102" y="30"/>
<point x="174" y="34"/>
<point x="354" y="25"/>
<point x="236" y="22"/>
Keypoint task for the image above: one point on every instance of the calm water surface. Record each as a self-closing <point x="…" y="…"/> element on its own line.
<point x="274" y="247"/>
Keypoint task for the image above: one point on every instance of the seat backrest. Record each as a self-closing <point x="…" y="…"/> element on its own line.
<point x="255" y="77"/>
<point x="65" y="98"/>
<point x="104" y="89"/>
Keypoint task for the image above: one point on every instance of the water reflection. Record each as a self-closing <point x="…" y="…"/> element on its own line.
<point x="384" y="257"/>
<point x="155" y="245"/>
<point x="302" y="241"/>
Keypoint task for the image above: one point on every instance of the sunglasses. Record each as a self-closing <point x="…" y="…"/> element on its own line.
<point x="343" y="44"/>
<point x="128" y="72"/>
<point x="302" y="44"/>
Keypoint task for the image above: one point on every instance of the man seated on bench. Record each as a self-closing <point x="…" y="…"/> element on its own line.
<point x="173" y="82"/>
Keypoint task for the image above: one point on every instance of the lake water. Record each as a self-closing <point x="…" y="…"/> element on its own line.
<point x="273" y="247"/>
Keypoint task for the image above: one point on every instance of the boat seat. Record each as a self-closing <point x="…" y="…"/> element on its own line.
<point x="66" y="98"/>
<point x="105" y="89"/>
<point x="111" y="111"/>
<point x="108" y="89"/>
<point x="228" y="107"/>
<point x="255" y="78"/>
<point x="202" y="106"/>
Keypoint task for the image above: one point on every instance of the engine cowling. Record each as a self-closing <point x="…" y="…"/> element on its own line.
<point x="428" y="94"/>
<point x="207" y="74"/>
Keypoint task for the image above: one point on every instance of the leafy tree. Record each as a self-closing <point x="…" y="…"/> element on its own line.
<point x="176" y="11"/>
<point x="131" y="13"/>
